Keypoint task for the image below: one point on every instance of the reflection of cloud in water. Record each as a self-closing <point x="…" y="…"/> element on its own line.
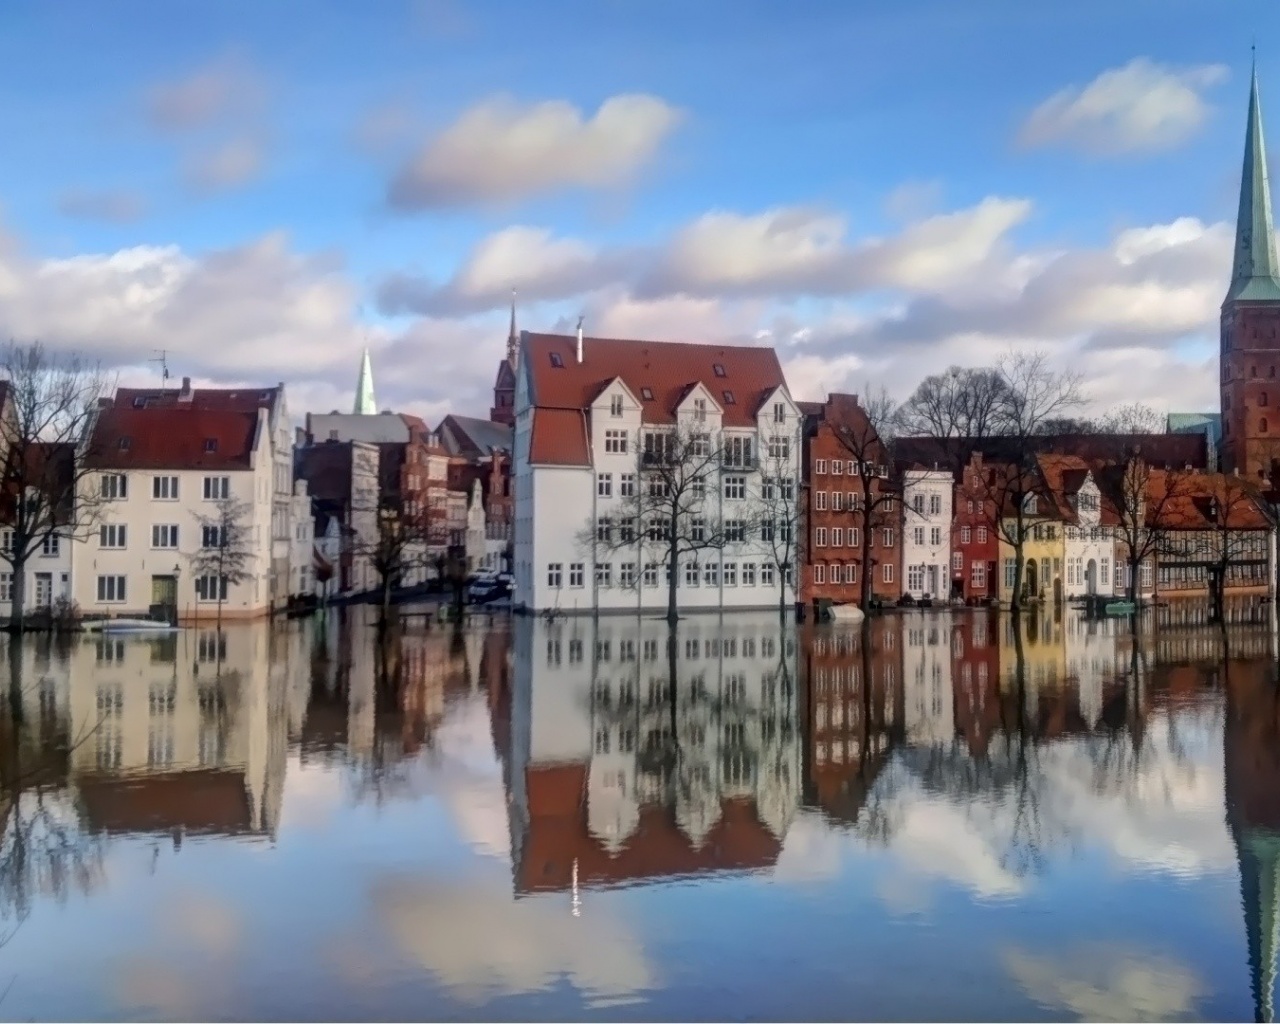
<point x="1107" y="983"/>
<point x="468" y="777"/>
<point x="811" y="850"/>
<point x="480" y="941"/>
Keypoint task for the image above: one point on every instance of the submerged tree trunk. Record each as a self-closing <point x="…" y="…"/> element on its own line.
<point x="673" y="608"/>
<point x="18" y="606"/>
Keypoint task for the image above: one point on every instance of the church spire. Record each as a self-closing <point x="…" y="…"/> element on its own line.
<point x="512" y="338"/>
<point x="1255" y="274"/>
<point x="366" y="404"/>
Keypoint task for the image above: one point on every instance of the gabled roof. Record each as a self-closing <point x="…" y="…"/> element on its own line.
<point x="205" y="399"/>
<point x="1173" y="450"/>
<point x="175" y="438"/>
<point x="1063" y="476"/>
<point x="1189" y="502"/>
<point x="472" y="437"/>
<point x="664" y="369"/>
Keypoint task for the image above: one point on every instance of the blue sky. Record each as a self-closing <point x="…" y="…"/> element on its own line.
<point x="176" y="136"/>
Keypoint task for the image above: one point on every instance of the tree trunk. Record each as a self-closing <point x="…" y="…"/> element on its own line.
<point x="865" y="602"/>
<point x="1015" y="599"/>
<point x="673" y="564"/>
<point x="18" y="607"/>
<point x="1132" y="589"/>
<point x="15" y="684"/>
<point x="385" y="610"/>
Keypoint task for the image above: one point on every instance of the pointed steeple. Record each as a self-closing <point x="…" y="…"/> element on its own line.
<point x="366" y="404"/>
<point x="512" y="338"/>
<point x="1255" y="274"/>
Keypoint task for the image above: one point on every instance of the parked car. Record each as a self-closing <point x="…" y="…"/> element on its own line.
<point x="484" y="589"/>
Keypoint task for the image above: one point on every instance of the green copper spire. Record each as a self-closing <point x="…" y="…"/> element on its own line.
<point x="1255" y="275"/>
<point x="366" y="404"/>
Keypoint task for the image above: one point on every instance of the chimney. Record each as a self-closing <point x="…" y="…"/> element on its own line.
<point x="333" y="435"/>
<point x="580" y="319"/>
<point x="185" y="394"/>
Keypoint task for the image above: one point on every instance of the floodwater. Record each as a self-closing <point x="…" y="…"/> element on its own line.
<point x="938" y="818"/>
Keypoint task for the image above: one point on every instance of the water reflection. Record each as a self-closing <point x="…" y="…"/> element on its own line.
<point x="557" y="819"/>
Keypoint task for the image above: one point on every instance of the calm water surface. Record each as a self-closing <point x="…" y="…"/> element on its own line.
<point x="933" y="819"/>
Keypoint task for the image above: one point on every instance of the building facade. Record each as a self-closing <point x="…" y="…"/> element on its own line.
<point x="975" y="544"/>
<point x="927" y="495"/>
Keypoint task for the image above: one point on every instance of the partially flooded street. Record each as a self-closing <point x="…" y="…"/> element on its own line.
<point x="936" y="817"/>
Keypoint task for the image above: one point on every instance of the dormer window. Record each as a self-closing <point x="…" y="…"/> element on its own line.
<point x="718" y="369"/>
<point x="556" y="361"/>
<point x="615" y="405"/>
<point x="210" y="444"/>
<point x="646" y="394"/>
<point x="1030" y="505"/>
<point x="140" y="402"/>
<point x="729" y="399"/>
<point x="126" y="443"/>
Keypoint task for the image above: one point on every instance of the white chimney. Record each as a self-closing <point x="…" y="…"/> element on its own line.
<point x="580" y="319"/>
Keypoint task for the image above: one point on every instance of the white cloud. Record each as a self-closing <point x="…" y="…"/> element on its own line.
<point x="1140" y="107"/>
<point x="501" y="151"/>
<point x="229" y="164"/>
<point x="224" y="86"/>
<point x="118" y="207"/>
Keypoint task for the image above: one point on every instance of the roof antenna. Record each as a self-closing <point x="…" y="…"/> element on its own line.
<point x="163" y="360"/>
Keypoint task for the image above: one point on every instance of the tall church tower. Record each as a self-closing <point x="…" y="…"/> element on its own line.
<point x="1250" y="356"/>
<point x="504" y="385"/>
<point x="366" y="404"/>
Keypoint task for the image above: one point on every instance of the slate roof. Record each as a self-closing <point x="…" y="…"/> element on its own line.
<point x="472" y="437"/>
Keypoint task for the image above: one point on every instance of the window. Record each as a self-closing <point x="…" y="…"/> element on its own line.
<point x="711" y="574"/>
<point x="837" y="537"/>
<point x="111" y="535"/>
<point x="658" y="528"/>
<point x="211" y="588"/>
<point x="978" y="575"/>
<point x="627" y="530"/>
<point x="728" y="398"/>
<point x="555" y="575"/>
<point x="886" y="573"/>
<point x="575" y="574"/>
<point x="1262" y="425"/>
<point x="779" y="447"/>
<point x="1104" y="572"/>
<point x="110" y="588"/>
<point x="115" y="486"/>
<point x="659" y="448"/>
<point x="1010" y="571"/>
<point x="917" y="535"/>
<point x="957" y="562"/>
<point x="556" y="361"/>
<point x="604" y="485"/>
<point x="627" y="485"/>
<point x="164" y="488"/>
<point x="604" y="575"/>
<point x="615" y="441"/>
<point x="965" y="535"/>
<point x="615" y="405"/>
<point x="164" y="535"/>
<point x="820" y="537"/>
<point x="698" y="530"/>
<point x="718" y="370"/>
<point x="646" y="394"/>
<point x="854" y="536"/>
<point x="887" y="537"/>
<point x="855" y="502"/>
<point x="837" y="501"/>
<point x="735" y="487"/>
<point x="604" y="530"/>
<point x="6" y="586"/>
<point x="969" y="507"/>
<point x="125" y="444"/>
<point x="820" y="466"/>
<point x="935" y="536"/>
<point x="820" y="500"/>
<point x="735" y="530"/>
<point x="651" y="574"/>
<point x="1029" y="504"/>
<point x="748" y="574"/>
<point x="627" y="575"/>
<point x="915" y="577"/>
<point x="691" y="574"/>
<point x="917" y="504"/>
<point x="819" y="573"/>
<point x="766" y="574"/>
<point x="213" y="537"/>
<point x="49" y="546"/>
<point x="737" y="452"/>
<point x="836" y="465"/>
<point x="982" y="534"/>
<point x="217" y="488"/>
<point x="935" y="505"/>
<point x="1146" y="576"/>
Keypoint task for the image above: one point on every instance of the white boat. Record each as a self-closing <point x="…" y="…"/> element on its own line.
<point x="129" y="626"/>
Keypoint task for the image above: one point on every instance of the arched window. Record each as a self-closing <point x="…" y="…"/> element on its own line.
<point x="1262" y="425"/>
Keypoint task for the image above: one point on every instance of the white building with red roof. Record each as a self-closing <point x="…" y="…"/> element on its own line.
<point x="586" y="412"/>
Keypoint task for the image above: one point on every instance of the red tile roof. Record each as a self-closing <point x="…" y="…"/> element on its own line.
<point x="559" y="438"/>
<point x="172" y="438"/>
<point x="666" y="368"/>
<point x="207" y="399"/>
<point x="1186" y="501"/>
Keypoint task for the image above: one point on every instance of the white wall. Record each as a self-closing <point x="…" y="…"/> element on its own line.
<point x="926" y="536"/>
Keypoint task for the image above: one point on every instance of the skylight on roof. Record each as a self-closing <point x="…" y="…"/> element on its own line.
<point x="210" y="444"/>
<point x="646" y="394"/>
<point x="728" y="397"/>
<point x="719" y="369"/>
<point x="556" y="360"/>
<point x="126" y="443"/>
<point x="139" y="402"/>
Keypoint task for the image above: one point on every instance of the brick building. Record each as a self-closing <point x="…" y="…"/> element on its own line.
<point x="833" y="513"/>
<point x="975" y="546"/>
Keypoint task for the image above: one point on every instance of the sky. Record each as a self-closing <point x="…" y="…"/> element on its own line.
<point x="879" y="190"/>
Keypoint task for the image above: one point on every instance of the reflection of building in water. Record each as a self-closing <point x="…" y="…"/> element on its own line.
<point x="616" y="775"/>
<point x="853" y="699"/>
<point x="928" y="702"/>
<point x="180" y="733"/>
<point x="1252" y="765"/>
<point x="975" y="678"/>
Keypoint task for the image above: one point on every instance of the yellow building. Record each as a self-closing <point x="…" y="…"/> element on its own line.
<point x="1042" y="551"/>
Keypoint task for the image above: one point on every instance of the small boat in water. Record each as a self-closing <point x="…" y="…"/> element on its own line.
<point x="129" y="626"/>
<point x="1119" y="608"/>
<point x="847" y="613"/>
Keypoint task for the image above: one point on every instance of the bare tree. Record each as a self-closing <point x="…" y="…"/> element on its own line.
<point x="1234" y="511"/>
<point x="867" y="436"/>
<point x="225" y="557"/>
<point x="1133" y="418"/>
<point x="961" y="403"/>
<point x="406" y="532"/>
<point x="1034" y="393"/>
<point x="46" y="409"/>
<point x="775" y="515"/>
<point x="1142" y="499"/>
<point x="664" y="514"/>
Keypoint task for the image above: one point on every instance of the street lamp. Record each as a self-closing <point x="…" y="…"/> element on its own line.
<point x="177" y="573"/>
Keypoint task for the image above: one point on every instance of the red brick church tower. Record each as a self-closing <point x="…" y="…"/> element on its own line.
<point x="1250" y="356"/>
<point x="504" y="385"/>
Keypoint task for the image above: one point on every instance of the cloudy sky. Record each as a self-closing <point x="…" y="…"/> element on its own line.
<point x="879" y="190"/>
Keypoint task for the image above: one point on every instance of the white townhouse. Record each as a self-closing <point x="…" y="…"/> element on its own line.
<point x="591" y="415"/>
<point x="926" y="533"/>
<point x="159" y="473"/>
<point x="1088" y="545"/>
